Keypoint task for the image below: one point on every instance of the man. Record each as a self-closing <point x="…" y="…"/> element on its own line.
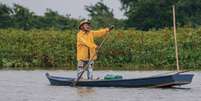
<point x="86" y="48"/>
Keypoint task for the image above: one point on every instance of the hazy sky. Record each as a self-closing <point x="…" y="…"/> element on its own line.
<point x="74" y="7"/>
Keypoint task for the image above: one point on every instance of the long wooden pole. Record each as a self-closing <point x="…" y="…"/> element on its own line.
<point x="175" y="38"/>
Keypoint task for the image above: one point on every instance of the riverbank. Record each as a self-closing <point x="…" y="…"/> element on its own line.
<point x="124" y="50"/>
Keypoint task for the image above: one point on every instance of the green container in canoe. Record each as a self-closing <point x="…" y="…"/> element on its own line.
<point x="112" y="77"/>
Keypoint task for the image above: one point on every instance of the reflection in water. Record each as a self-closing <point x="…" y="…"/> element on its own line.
<point x="82" y="91"/>
<point x="178" y="87"/>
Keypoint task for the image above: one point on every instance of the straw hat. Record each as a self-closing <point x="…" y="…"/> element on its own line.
<point x="84" y="22"/>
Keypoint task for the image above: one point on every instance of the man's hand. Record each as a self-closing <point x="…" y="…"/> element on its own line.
<point x="97" y="47"/>
<point x="111" y="27"/>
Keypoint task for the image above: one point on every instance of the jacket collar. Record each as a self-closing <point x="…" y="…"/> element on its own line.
<point x="84" y="32"/>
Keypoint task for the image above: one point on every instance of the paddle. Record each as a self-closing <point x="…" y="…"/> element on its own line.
<point x="86" y="66"/>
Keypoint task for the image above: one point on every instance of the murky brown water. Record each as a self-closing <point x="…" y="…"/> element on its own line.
<point x="33" y="86"/>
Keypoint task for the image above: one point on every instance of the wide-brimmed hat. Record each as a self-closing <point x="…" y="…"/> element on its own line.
<point x="84" y="22"/>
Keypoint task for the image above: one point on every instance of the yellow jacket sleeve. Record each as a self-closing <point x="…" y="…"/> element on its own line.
<point x="100" y="33"/>
<point x="87" y="43"/>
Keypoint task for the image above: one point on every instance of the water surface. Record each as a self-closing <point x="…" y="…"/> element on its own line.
<point x="33" y="86"/>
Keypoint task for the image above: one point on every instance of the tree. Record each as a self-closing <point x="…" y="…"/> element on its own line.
<point x="146" y="14"/>
<point x="5" y="16"/>
<point x="189" y="12"/>
<point x="53" y="19"/>
<point x="100" y="14"/>
<point x="22" y="17"/>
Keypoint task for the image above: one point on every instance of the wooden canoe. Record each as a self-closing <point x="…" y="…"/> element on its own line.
<point x="166" y="80"/>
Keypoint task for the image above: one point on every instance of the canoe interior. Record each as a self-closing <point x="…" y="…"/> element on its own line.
<point x="168" y="80"/>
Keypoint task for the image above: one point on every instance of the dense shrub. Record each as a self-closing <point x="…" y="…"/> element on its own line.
<point x="124" y="50"/>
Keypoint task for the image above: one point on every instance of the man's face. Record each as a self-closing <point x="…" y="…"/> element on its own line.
<point x="86" y="27"/>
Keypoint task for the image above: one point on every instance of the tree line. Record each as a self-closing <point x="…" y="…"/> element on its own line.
<point x="141" y="14"/>
<point x="22" y="18"/>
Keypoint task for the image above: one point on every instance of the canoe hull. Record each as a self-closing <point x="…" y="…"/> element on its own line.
<point x="153" y="81"/>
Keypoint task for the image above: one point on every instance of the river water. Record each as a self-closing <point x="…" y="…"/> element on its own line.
<point x="33" y="86"/>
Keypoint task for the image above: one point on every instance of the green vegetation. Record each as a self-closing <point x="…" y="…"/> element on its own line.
<point x="30" y="41"/>
<point x="141" y="14"/>
<point x="22" y="18"/>
<point x="124" y="49"/>
<point x="147" y="14"/>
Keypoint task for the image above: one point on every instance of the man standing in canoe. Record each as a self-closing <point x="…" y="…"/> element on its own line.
<point x="86" y="48"/>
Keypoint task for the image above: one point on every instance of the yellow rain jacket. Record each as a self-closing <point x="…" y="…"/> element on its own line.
<point x="86" y="48"/>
